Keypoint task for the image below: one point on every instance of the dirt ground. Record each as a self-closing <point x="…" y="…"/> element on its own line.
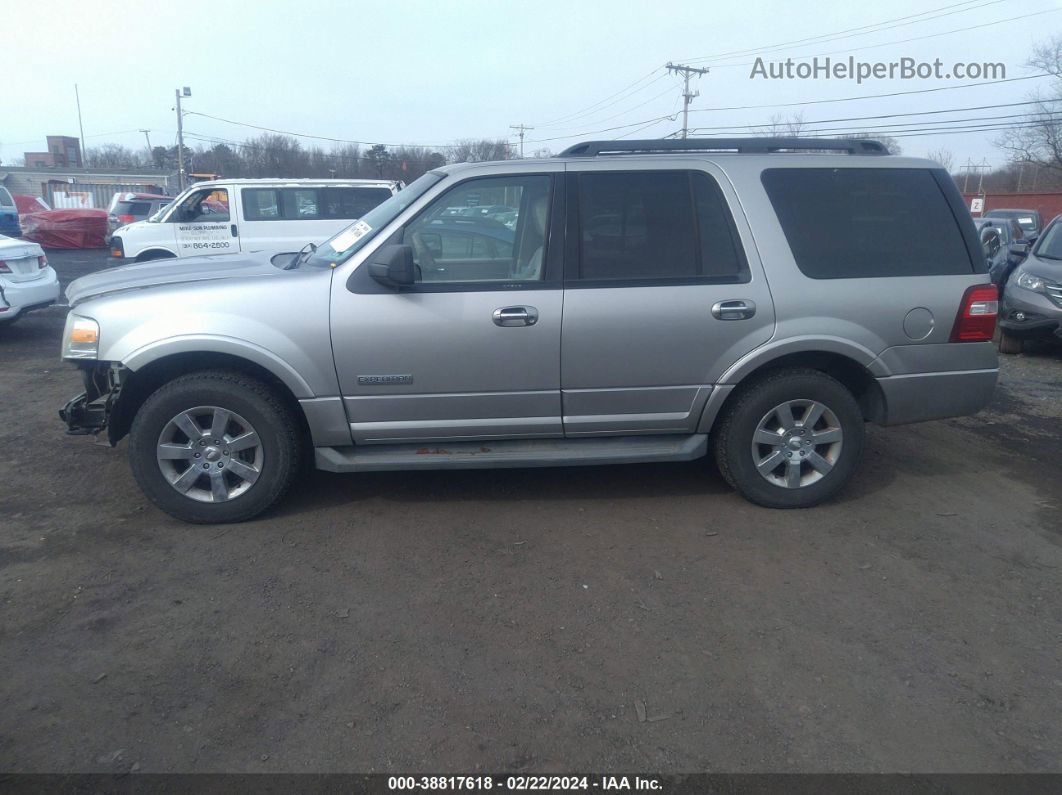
<point x="527" y="620"/>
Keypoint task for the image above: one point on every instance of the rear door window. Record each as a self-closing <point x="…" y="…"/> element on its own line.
<point x="845" y="223"/>
<point x="5" y="198"/>
<point x="656" y="226"/>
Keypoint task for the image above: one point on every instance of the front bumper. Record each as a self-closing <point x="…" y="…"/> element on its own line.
<point x="89" y="412"/>
<point x="17" y="298"/>
<point x="1039" y="315"/>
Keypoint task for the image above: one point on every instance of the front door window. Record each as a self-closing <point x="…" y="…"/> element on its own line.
<point x="483" y="230"/>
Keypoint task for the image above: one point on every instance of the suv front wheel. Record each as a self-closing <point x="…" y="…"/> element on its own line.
<point x="214" y="446"/>
<point x="790" y="439"/>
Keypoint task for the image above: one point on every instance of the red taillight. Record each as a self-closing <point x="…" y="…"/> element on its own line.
<point x="42" y="262"/>
<point x="126" y="219"/>
<point x="4" y="267"/>
<point x="976" y="321"/>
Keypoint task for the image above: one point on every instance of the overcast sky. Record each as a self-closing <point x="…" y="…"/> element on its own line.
<point x="433" y="71"/>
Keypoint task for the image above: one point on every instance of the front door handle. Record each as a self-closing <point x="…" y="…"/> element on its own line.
<point x="741" y="309"/>
<point x="516" y="316"/>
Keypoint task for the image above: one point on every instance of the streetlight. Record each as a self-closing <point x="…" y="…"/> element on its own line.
<point x="179" y="92"/>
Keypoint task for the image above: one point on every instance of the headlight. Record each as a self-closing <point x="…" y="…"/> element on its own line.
<point x="81" y="338"/>
<point x="1030" y="282"/>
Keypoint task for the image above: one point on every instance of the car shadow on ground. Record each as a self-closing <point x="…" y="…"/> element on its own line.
<point x="694" y="479"/>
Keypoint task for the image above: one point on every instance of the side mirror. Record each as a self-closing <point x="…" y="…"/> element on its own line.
<point x="284" y="260"/>
<point x="1020" y="250"/>
<point x="393" y="266"/>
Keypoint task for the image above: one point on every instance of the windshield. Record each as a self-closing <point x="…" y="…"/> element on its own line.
<point x="349" y="241"/>
<point x="1050" y="245"/>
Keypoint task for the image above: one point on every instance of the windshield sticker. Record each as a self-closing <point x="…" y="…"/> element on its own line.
<point x="1025" y="220"/>
<point x="348" y="237"/>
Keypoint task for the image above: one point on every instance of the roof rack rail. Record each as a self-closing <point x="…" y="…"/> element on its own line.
<point x="853" y="146"/>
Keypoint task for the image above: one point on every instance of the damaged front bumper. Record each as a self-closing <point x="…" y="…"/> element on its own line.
<point x="89" y="412"/>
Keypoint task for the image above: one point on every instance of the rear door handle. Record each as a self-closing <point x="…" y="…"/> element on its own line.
<point x="740" y="309"/>
<point x="516" y="316"/>
<point x="233" y="230"/>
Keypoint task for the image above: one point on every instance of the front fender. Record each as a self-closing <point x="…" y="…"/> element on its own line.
<point x="201" y="343"/>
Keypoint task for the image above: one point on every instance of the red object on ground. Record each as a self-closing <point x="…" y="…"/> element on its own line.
<point x="66" y="228"/>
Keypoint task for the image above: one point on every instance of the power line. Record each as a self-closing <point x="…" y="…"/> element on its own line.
<point x="667" y="90"/>
<point x="315" y="137"/>
<point x="596" y="107"/>
<point x="862" y="30"/>
<point x="871" y="96"/>
<point x="905" y="41"/>
<point x="589" y="109"/>
<point x="672" y="116"/>
<point x="884" y="115"/>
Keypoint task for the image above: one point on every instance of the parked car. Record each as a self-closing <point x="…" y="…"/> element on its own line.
<point x="1030" y="220"/>
<point x="1032" y="302"/>
<point x="232" y="215"/>
<point x="998" y="236"/>
<point x="707" y="312"/>
<point x="27" y="281"/>
<point x="73" y="228"/>
<point x="127" y="208"/>
<point x="9" y="224"/>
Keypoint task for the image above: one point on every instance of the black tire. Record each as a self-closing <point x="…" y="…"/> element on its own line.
<point x="733" y="436"/>
<point x="1010" y="344"/>
<point x="277" y="429"/>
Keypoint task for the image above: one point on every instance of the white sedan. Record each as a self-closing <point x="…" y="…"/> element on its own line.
<point x="26" y="280"/>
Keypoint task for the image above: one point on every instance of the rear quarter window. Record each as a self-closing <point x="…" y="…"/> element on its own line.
<point x="844" y="223"/>
<point x="5" y="198"/>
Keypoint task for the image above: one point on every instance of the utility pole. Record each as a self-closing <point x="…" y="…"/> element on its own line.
<point x="521" y="129"/>
<point x="80" y="127"/>
<point x="687" y="96"/>
<point x="187" y="92"/>
<point x="148" y="139"/>
<point x="980" y="168"/>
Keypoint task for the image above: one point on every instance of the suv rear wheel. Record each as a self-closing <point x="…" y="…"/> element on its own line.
<point x="214" y="446"/>
<point x="790" y="439"/>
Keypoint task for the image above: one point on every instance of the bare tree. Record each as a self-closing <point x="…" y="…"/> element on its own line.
<point x="779" y="126"/>
<point x="476" y="150"/>
<point x="942" y="156"/>
<point x="892" y="146"/>
<point x="1036" y="139"/>
<point x="113" y="156"/>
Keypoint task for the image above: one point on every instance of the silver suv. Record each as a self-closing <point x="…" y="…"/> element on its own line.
<point x="631" y="301"/>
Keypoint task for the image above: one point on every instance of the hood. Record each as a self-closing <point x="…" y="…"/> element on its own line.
<point x="133" y="227"/>
<point x="158" y="273"/>
<point x="1045" y="268"/>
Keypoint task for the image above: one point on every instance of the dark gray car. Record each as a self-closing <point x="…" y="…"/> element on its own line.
<point x="1032" y="302"/>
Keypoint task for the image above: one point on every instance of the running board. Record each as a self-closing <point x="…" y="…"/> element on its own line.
<point x="513" y="453"/>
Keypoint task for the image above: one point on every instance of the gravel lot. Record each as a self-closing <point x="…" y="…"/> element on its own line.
<point x="519" y="620"/>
